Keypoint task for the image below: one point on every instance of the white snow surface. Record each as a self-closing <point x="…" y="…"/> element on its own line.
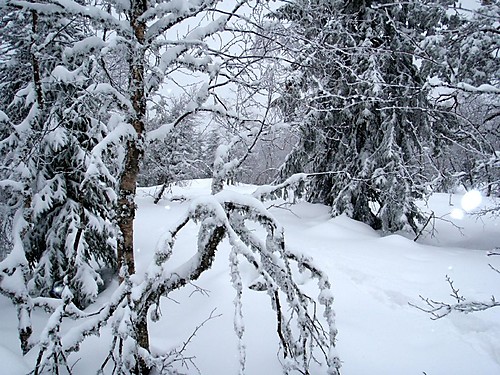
<point x="374" y="278"/>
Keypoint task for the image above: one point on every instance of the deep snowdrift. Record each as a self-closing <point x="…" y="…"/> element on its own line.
<point x="374" y="279"/>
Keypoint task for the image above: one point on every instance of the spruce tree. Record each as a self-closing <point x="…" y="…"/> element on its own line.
<point x="178" y="156"/>
<point x="466" y="66"/>
<point x="361" y="106"/>
<point x="60" y="189"/>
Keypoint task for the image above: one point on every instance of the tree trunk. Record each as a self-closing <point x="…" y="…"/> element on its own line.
<point x="34" y="61"/>
<point x="142" y="337"/>
<point x="134" y="153"/>
<point x="126" y="206"/>
<point x="159" y="195"/>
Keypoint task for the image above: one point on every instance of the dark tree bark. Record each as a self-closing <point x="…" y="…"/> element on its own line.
<point x="34" y="61"/>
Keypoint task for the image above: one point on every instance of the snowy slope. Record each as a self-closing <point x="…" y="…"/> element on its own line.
<point x="374" y="279"/>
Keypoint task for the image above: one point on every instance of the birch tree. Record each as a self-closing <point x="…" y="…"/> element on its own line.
<point x="157" y="39"/>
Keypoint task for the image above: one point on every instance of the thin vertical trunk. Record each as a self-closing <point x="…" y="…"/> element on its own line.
<point x="34" y="61"/>
<point x="21" y="301"/>
<point x="134" y="153"/>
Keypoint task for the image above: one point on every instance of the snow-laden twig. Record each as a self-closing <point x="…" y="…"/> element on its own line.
<point x="439" y="309"/>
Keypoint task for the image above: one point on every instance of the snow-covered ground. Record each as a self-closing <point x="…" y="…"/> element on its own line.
<point x="375" y="279"/>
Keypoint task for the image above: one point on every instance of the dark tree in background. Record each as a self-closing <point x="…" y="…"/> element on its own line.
<point x="361" y="106"/>
<point x="179" y="156"/>
<point x="466" y="71"/>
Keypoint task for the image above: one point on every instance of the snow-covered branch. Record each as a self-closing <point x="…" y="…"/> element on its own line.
<point x="439" y="309"/>
<point x="462" y="86"/>
<point x="68" y="8"/>
<point x="300" y="331"/>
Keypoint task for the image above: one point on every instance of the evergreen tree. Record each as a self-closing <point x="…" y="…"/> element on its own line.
<point x="179" y="155"/>
<point x="361" y="107"/>
<point x="466" y="66"/>
<point x="62" y="192"/>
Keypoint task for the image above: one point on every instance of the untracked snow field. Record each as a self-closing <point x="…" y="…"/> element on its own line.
<point x="376" y="279"/>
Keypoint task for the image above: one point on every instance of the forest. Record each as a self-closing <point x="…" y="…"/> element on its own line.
<point x="361" y="111"/>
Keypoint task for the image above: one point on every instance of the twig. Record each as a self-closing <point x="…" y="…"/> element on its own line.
<point x="494" y="268"/>
<point x="431" y="216"/>
<point x="438" y="309"/>
<point x="280" y="206"/>
<point x="198" y="289"/>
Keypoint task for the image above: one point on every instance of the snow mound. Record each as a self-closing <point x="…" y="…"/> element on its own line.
<point x="12" y="363"/>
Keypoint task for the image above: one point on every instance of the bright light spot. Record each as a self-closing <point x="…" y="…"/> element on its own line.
<point x="457" y="214"/>
<point x="138" y="250"/>
<point x="471" y="200"/>
<point x="450" y="268"/>
<point x="167" y="207"/>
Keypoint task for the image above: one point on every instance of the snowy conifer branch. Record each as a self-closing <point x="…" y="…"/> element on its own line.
<point x="462" y="86"/>
<point x="68" y="8"/>
<point x="292" y="183"/>
<point x="51" y="353"/>
<point x="14" y="272"/>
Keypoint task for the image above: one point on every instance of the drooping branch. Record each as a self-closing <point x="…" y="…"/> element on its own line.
<point x="299" y="329"/>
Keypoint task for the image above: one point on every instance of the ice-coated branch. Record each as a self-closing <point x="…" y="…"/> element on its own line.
<point x="224" y="215"/>
<point x="239" y="326"/>
<point x="298" y="326"/>
<point x="439" y="309"/>
<point x="272" y="260"/>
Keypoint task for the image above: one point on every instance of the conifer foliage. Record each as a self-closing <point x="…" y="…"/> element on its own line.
<point x="361" y="107"/>
<point x="59" y="196"/>
<point x="467" y="71"/>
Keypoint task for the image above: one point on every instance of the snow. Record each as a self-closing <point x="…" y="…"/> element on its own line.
<point x="3" y="117"/>
<point x="471" y="200"/>
<point x="485" y="88"/>
<point x="12" y="362"/>
<point x="85" y="46"/>
<point x="374" y="278"/>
